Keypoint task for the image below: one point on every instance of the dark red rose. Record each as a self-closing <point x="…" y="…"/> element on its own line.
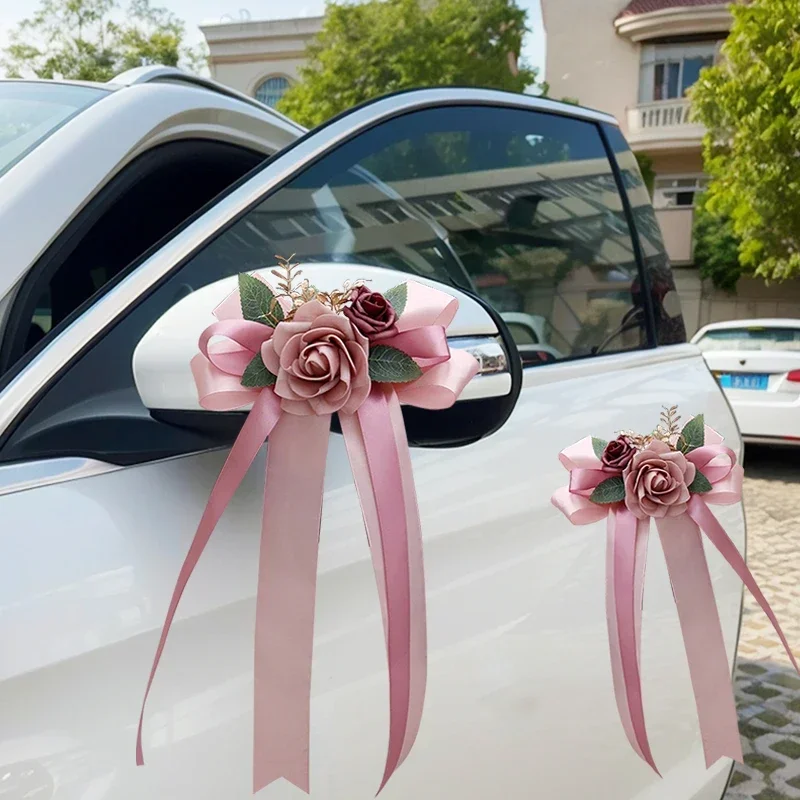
<point x="618" y="453"/>
<point x="372" y="314"/>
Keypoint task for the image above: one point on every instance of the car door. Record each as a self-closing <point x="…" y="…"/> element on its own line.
<point x="538" y="210"/>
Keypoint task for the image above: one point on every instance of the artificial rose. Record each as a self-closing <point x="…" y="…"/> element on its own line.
<point x="618" y="453"/>
<point x="320" y="360"/>
<point x="657" y="482"/>
<point x="372" y="314"/>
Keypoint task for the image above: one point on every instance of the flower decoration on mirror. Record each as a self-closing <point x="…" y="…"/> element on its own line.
<point x="298" y="355"/>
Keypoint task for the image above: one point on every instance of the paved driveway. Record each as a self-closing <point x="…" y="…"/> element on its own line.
<point x="767" y="688"/>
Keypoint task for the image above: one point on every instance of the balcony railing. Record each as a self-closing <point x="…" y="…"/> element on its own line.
<point x="664" y="123"/>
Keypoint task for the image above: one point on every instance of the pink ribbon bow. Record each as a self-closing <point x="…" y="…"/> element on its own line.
<point x="680" y="537"/>
<point x="377" y="447"/>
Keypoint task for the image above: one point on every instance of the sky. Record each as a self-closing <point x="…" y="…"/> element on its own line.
<point x="198" y="12"/>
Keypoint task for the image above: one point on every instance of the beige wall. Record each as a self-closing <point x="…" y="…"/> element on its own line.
<point x="586" y="59"/>
<point x="685" y="163"/>
<point x="702" y="303"/>
<point x="242" y="54"/>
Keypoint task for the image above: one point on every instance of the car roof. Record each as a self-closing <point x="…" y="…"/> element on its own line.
<point x="160" y="74"/>
<point x="769" y="322"/>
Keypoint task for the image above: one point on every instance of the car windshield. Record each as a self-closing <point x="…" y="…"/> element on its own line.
<point x="30" y="112"/>
<point x="751" y="338"/>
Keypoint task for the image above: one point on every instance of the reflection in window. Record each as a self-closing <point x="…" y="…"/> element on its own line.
<point x="666" y="304"/>
<point x="271" y="90"/>
<point x="519" y="206"/>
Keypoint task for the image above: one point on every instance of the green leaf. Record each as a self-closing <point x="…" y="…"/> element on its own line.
<point x="700" y="484"/>
<point x="256" y="375"/>
<point x="693" y="434"/>
<point x="258" y="302"/>
<point x="611" y="490"/>
<point x="397" y="296"/>
<point x="390" y="365"/>
<point x="599" y="446"/>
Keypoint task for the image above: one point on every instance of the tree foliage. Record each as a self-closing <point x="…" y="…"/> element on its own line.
<point x="94" y="40"/>
<point x="372" y="48"/>
<point x="716" y="246"/>
<point x="750" y="103"/>
<point x="648" y="171"/>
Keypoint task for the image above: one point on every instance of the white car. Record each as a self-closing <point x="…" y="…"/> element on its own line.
<point x="529" y="332"/>
<point x="116" y="201"/>
<point x="757" y="363"/>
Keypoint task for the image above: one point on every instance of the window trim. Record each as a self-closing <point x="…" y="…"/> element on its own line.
<point x="21" y="387"/>
<point x="638" y="251"/>
<point x="46" y="266"/>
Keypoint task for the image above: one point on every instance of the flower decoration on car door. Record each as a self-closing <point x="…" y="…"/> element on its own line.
<point x="670" y="476"/>
<point x="300" y="355"/>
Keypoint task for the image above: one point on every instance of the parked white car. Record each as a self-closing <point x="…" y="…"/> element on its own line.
<point x="115" y="202"/>
<point x="529" y="332"/>
<point x="757" y="363"/>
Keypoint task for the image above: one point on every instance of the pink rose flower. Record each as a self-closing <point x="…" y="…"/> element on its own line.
<point x="320" y="360"/>
<point x="372" y="314"/>
<point x="618" y="453"/>
<point x="657" y="482"/>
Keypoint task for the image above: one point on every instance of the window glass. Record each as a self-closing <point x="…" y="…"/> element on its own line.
<point x="669" y="70"/>
<point x="670" y="327"/>
<point x="518" y="206"/>
<point x="271" y="90"/>
<point x="752" y="338"/>
<point x="30" y="112"/>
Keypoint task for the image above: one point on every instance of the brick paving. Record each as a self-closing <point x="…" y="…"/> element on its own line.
<point x="767" y="688"/>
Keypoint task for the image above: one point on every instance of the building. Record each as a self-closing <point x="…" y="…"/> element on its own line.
<point x="259" y="58"/>
<point x="637" y="59"/>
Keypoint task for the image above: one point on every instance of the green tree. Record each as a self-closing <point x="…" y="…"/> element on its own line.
<point x="371" y="48"/>
<point x="94" y="40"/>
<point x="646" y="168"/>
<point x="716" y="246"/>
<point x="750" y="103"/>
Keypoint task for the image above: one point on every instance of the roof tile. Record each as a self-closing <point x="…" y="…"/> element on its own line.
<point x="635" y="7"/>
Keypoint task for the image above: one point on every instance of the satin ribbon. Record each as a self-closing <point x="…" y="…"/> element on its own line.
<point x="378" y="451"/>
<point x="681" y="540"/>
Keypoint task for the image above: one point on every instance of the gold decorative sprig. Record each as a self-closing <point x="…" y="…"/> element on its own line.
<point x="299" y="290"/>
<point x="667" y="431"/>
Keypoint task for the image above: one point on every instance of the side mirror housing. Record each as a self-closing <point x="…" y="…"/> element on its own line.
<point x="161" y="362"/>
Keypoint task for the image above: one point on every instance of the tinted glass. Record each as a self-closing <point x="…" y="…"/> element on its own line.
<point x="670" y="328"/>
<point x="753" y="338"/>
<point x="30" y="112"/>
<point x="519" y="206"/>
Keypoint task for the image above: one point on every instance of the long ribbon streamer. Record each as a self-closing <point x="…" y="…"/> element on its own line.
<point x="259" y="423"/>
<point x="287" y="581"/>
<point x="702" y="637"/>
<point x="626" y="560"/>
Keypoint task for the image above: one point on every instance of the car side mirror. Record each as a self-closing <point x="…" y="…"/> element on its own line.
<point x="161" y="362"/>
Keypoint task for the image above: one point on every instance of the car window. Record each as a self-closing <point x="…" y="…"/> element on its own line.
<point x="520" y="207"/>
<point x="152" y="196"/>
<point x="30" y="112"/>
<point x="669" y="323"/>
<point x="751" y="338"/>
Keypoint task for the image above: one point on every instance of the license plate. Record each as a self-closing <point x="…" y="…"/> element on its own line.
<point x="743" y="380"/>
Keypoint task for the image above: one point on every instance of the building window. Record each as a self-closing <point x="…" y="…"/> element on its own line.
<point x="271" y="90"/>
<point x="668" y="71"/>
<point x="675" y="191"/>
